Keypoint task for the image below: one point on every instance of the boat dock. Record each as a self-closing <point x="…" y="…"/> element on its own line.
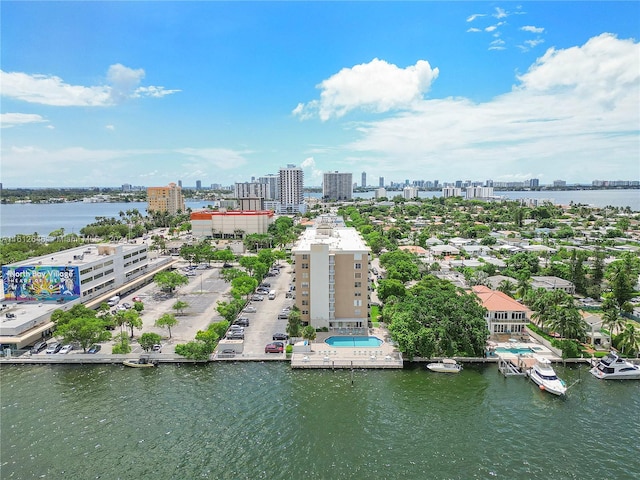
<point x="515" y="367"/>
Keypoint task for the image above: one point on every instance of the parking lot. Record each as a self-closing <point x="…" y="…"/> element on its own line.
<point x="264" y="322"/>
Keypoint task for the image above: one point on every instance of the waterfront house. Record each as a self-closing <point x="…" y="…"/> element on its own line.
<point x="504" y="314"/>
<point x="552" y="283"/>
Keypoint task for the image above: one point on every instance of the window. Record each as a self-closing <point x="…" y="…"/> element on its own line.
<point x="305" y="294"/>
<point x="305" y="285"/>
<point x="358" y="275"/>
<point x="358" y="294"/>
<point x="305" y="302"/>
<point x="305" y="275"/>
<point x="357" y="284"/>
<point x="305" y="312"/>
<point x="305" y="265"/>
<point x="357" y="303"/>
<point x="305" y="257"/>
<point x="358" y="266"/>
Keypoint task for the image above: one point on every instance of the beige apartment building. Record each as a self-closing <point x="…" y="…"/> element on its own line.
<point x="332" y="277"/>
<point x="165" y="199"/>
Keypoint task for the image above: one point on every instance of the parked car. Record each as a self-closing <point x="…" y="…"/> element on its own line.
<point x="242" y="321"/>
<point x="54" y="348"/>
<point x="257" y="298"/>
<point x="275" y="347"/>
<point x="288" y="295"/>
<point x="94" y="349"/>
<point x="236" y="328"/>
<point x="126" y="305"/>
<point x="250" y="309"/>
<point x="227" y="265"/>
<point x="283" y="316"/>
<point x="235" y="335"/>
<point x="65" y="349"/>
<point x="266" y="285"/>
<point x="157" y="348"/>
<point x="40" y="346"/>
<point x="280" y="336"/>
<point x="262" y="291"/>
<point x="136" y="299"/>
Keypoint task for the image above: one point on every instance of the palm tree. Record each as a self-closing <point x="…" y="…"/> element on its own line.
<point x="568" y="322"/>
<point x="507" y="287"/>
<point x="629" y="339"/>
<point x="613" y="321"/>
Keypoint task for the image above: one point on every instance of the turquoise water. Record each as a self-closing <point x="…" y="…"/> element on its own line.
<point x="515" y="351"/>
<point x="353" y="341"/>
<point x="257" y="420"/>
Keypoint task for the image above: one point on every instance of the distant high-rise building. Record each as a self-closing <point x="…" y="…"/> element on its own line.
<point x="251" y="196"/>
<point x="458" y="184"/>
<point x="126" y="187"/>
<point x="180" y="183"/>
<point x="436" y="183"/>
<point x="364" y="180"/>
<point x="291" y="190"/>
<point x="409" y="192"/>
<point x="165" y="199"/>
<point x="479" y="192"/>
<point x="380" y="192"/>
<point x="559" y="183"/>
<point x="337" y="186"/>
<point x="198" y="185"/>
<point x="381" y="182"/>
<point x="534" y="182"/>
<point x="451" y="192"/>
<point x="273" y="186"/>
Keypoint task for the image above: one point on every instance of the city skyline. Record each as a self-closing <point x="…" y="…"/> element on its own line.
<point x="148" y="93"/>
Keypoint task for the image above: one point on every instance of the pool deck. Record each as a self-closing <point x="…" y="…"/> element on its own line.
<point x="323" y="355"/>
<point x="537" y="350"/>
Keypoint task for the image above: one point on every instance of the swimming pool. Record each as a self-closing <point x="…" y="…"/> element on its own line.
<point x="514" y="350"/>
<point x="351" y="341"/>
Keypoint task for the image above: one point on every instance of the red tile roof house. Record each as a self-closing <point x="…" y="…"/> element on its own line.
<point x="504" y="315"/>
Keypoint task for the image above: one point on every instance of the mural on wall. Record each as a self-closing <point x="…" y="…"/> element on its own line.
<point x="40" y="283"/>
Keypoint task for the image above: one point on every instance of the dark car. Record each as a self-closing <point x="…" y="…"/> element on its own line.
<point x="280" y="336"/>
<point x="242" y="321"/>
<point x="227" y="265"/>
<point x="257" y="298"/>
<point x="265" y="285"/>
<point x="38" y="347"/>
<point x="94" y="349"/>
<point x="275" y="347"/>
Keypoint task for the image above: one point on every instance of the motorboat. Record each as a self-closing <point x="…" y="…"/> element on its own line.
<point x="446" y="365"/>
<point x="612" y="367"/>
<point x="143" y="362"/>
<point x="543" y="374"/>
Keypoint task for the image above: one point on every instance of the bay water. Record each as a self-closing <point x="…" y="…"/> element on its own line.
<point x="266" y="421"/>
<point x="43" y="219"/>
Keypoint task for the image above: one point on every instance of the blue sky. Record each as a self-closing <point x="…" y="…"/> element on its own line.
<point x="147" y="93"/>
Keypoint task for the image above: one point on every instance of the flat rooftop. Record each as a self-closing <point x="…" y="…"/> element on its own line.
<point x="78" y="256"/>
<point x="343" y="239"/>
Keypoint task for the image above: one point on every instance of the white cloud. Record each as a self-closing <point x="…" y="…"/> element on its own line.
<point x="473" y="29"/>
<point x="574" y="109"/>
<point x="122" y="84"/>
<point x="471" y="18"/>
<point x="313" y="175"/>
<point x="532" y="29"/>
<point x="500" y="13"/>
<point x="85" y="165"/>
<point x="534" y="43"/>
<point x="110" y="127"/>
<point x="497" y="44"/>
<point x="376" y="86"/>
<point x="8" y="120"/>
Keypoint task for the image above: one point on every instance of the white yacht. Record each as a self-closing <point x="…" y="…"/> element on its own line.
<point x="615" y="368"/>
<point x="543" y="374"/>
<point x="446" y="365"/>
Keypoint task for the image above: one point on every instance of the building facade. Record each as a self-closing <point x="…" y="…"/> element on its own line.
<point x="332" y="277"/>
<point x="504" y="315"/>
<point x="272" y="191"/>
<point x="209" y="224"/>
<point x="363" y="182"/>
<point x="409" y="192"/>
<point x="165" y="199"/>
<point x="337" y="186"/>
<point x="291" y="190"/>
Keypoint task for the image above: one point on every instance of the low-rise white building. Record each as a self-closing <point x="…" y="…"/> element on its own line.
<point x="225" y="224"/>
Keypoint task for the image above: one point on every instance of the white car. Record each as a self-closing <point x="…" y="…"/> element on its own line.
<point x="66" y="349"/>
<point x="250" y="310"/>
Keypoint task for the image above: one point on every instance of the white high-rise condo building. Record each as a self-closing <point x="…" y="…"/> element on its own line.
<point x="364" y="180"/>
<point x="273" y="189"/>
<point x="291" y="190"/>
<point x="337" y="186"/>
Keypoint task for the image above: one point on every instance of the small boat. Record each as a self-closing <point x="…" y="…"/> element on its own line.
<point x="543" y="374"/>
<point x="612" y="367"/>
<point x="143" y="362"/>
<point x="446" y="365"/>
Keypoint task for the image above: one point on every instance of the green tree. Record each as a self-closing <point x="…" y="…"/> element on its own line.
<point x="85" y="331"/>
<point x="309" y="333"/>
<point x="169" y="281"/>
<point x="629" y="340"/>
<point x="180" y="306"/>
<point x="243" y="286"/>
<point x="132" y="320"/>
<point x="390" y="287"/>
<point x="507" y="287"/>
<point x="294" y="323"/>
<point x="121" y="344"/>
<point x="167" y="321"/>
<point x="148" y="340"/>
